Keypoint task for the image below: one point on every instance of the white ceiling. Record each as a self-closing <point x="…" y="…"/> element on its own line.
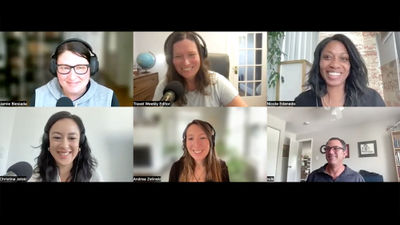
<point x="321" y="117"/>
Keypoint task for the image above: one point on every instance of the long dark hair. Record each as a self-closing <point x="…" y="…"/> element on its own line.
<point x="356" y="82"/>
<point x="83" y="165"/>
<point x="212" y="162"/>
<point x="202" y="77"/>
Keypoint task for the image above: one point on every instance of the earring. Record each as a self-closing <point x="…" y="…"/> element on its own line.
<point x="48" y="148"/>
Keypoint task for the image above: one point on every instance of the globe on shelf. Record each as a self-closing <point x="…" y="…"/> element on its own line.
<point x="146" y="60"/>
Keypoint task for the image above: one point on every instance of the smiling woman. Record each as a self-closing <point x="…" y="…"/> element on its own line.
<point x="65" y="153"/>
<point x="186" y="55"/>
<point x="338" y="77"/>
<point x="199" y="162"/>
<point x="73" y="63"/>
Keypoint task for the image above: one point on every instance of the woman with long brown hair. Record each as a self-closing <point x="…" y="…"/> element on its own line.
<point x="199" y="162"/>
<point x="186" y="56"/>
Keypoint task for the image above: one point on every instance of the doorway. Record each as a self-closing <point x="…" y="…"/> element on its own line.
<point x="299" y="160"/>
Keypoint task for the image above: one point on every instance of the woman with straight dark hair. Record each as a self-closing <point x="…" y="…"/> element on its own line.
<point x="199" y="162"/>
<point x="338" y="77"/>
<point x="65" y="154"/>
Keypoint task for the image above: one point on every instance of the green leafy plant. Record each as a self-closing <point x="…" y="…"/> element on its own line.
<point x="274" y="56"/>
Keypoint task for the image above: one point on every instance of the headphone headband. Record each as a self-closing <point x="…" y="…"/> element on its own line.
<point x="210" y="127"/>
<point x="93" y="61"/>
<point x="167" y="45"/>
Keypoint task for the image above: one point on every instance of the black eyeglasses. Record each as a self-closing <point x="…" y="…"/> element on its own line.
<point x="80" y="69"/>
<point x="327" y="148"/>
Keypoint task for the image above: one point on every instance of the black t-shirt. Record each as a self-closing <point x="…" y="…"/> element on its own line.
<point x="370" y="98"/>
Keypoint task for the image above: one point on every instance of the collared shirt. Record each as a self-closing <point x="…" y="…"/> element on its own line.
<point x="348" y="175"/>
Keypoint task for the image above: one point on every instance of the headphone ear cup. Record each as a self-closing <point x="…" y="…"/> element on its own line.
<point x="53" y="66"/>
<point x="213" y="140"/>
<point x="204" y="51"/>
<point x="167" y="50"/>
<point x="82" y="140"/>
<point x="94" y="65"/>
<point x="203" y="46"/>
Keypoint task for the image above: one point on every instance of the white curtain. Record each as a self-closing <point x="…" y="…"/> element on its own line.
<point x="299" y="45"/>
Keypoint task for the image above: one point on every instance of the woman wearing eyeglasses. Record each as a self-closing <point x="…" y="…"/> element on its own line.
<point x="72" y="65"/>
<point x="335" y="171"/>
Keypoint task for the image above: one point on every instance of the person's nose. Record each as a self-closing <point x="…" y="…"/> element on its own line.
<point x="334" y="63"/>
<point x="72" y="75"/>
<point x="197" y="143"/>
<point x="186" y="60"/>
<point x="331" y="151"/>
<point x="64" y="143"/>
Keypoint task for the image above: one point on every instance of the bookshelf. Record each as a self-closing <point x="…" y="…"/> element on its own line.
<point x="25" y="58"/>
<point x="305" y="167"/>
<point x="396" y="151"/>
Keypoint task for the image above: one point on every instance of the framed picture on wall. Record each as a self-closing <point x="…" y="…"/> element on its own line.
<point x="367" y="149"/>
<point x="348" y="151"/>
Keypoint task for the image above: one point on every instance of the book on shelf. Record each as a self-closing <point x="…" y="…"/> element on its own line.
<point x="397" y="157"/>
<point x="398" y="172"/>
<point x="396" y="142"/>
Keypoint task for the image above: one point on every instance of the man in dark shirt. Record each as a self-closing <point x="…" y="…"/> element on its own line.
<point x="335" y="170"/>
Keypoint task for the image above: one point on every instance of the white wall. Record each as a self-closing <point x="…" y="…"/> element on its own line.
<point x="109" y="132"/>
<point x="280" y="125"/>
<point x="153" y="42"/>
<point x="6" y="120"/>
<point x="387" y="49"/>
<point x="382" y="164"/>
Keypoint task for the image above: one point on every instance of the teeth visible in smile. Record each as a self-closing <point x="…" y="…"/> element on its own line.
<point x="187" y="69"/>
<point x="334" y="73"/>
<point x="64" y="153"/>
<point x="197" y="151"/>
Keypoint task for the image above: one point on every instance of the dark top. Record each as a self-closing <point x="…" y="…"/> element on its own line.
<point x="177" y="168"/>
<point x="348" y="175"/>
<point x="370" y="98"/>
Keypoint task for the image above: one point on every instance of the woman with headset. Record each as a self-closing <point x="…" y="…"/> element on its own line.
<point x="199" y="162"/>
<point x="72" y="65"/>
<point x="338" y="77"/>
<point x="187" y="63"/>
<point x="65" y="154"/>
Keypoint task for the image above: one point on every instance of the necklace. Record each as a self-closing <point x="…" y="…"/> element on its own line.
<point x="199" y="177"/>
<point x="328" y="104"/>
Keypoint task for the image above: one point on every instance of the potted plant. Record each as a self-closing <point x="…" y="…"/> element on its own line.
<point x="274" y="56"/>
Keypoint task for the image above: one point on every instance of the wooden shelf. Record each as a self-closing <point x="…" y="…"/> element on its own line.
<point x="395" y="138"/>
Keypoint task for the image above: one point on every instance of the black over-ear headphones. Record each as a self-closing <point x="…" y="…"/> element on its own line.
<point x="168" y="46"/>
<point x="82" y="139"/>
<point x="213" y="133"/>
<point x="93" y="62"/>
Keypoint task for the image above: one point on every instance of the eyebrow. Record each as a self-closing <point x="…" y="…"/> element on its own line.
<point x="341" y="53"/>
<point x="198" y="135"/>
<point x="71" y="133"/>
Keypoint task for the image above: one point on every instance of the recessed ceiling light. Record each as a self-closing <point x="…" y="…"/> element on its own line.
<point x="306" y="123"/>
